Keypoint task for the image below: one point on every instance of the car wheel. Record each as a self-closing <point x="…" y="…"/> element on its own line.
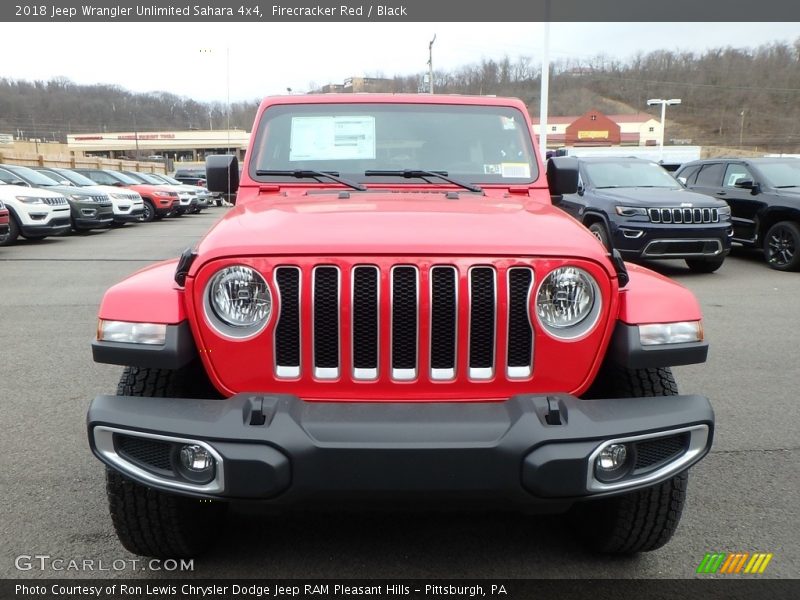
<point x="150" y="522"/>
<point x="782" y="246"/>
<point x="638" y="521"/>
<point x="8" y="238"/>
<point x="149" y="212"/>
<point x="599" y="231"/>
<point x="705" y="265"/>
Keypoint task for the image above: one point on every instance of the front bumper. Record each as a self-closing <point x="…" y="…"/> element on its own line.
<point x="530" y="450"/>
<point x="671" y="241"/>
<point x="131" y="217"/>
<point x="54" y="226"/>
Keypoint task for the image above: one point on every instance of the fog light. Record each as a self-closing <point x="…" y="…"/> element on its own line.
<point x="612" y="463"/>
<point x="196" y="459"/>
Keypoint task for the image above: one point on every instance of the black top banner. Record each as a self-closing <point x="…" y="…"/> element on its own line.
<point x="285" y="11"/>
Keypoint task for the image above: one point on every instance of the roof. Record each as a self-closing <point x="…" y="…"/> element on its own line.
<point x="366" y="97"/>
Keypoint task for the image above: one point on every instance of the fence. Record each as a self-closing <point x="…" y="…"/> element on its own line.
<point x="78" y="162"/>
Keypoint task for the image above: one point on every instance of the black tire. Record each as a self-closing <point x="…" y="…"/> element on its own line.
<point x="599" y="231"/>
<point x="782" y="246"/>
<point x="9" y="238"/>
<point x="149" y="212"/>
<point x="150" y="522"/>
<point x="705" y="265"/>
<point x="638" y="521"/>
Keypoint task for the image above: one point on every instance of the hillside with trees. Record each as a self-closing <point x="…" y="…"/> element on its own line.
<point x="728" y="94"/>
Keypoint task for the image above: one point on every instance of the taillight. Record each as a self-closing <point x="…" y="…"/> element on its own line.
<point x="201" y="182"/>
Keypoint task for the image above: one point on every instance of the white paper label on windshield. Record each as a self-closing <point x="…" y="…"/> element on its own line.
<point x="332" y="138"/>
<point x="515" y="170"/>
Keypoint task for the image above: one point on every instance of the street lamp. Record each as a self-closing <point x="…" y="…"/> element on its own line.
<point x="663" y="103"/>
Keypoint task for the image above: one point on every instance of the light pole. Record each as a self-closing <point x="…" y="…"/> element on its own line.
<point x="741" y="129"/>
<point x="430" y="63"/>
<point x="663" y="103"/>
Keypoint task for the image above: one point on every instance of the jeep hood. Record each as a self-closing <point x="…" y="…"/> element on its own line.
<point x="398" y="224"/>
<point x="661" y="197"/>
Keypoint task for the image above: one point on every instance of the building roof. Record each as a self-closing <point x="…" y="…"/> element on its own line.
<point x="624" y="118"/>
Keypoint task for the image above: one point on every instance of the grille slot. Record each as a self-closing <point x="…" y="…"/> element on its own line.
<point x="405" y="304"/>
<point x="326" y="322"/>
<point x="444" y="320"/>
<point x="152" y="454"/>
<point x="365" y="305"/>
<point x="287" y="330"/>
<point x="520" y="334"/>
<point x="695" y="216"/>
<point x="650" y="454"/>
<point x="482" y="308"/>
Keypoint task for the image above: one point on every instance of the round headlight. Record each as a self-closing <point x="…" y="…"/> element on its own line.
<point x="568" y="302"/>
<point x="239" y="299"/>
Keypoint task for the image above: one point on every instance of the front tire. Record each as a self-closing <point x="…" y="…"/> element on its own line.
<point x="782" y="246"/>
<point x="150" y="522"/>
<point x="149" y="212"/>
<point x="599" y="231"/>
<point x="704" y="265"/>
<point x="11" y="236"/>
<point x="638" y="521"/>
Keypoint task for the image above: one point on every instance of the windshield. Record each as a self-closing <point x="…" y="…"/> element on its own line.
<point x="147" y="178"/>
<point x="628" y="174"/>
<point x="75" y="178"/>
<point x="781" y="174"/>
<point x="478" y="144"/>
<point x="33" y="177"/>
<point x="126" y="179"/>
<point x="169" y="179"/>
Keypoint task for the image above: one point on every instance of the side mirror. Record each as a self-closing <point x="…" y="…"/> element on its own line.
<point x="746" y="184"/>
<point x="118" y="184"/>
<point x="19" y="182"/>
<point x="222" y="173"/>
<point x="562" y="177"/>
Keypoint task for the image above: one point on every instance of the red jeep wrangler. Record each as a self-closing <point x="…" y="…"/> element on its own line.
<point x="393" y="313"/>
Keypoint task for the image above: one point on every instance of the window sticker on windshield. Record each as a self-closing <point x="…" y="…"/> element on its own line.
<point x="509" y="123"/>
<point x="332" y="138"/>
<point x="515" y="170"/>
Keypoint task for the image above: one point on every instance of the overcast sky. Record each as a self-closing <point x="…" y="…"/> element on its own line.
<point x="189" y="59"/>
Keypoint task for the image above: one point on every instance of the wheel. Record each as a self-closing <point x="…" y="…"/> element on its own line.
<point x="638" y="521"/>
<point x="149" y="212"/>
<point x="781" y="245"/>
<point x="150" y="522"/>
<point x="599" y="231"/>
<point x="705" y="265"/>
<point x="6" y="239"/>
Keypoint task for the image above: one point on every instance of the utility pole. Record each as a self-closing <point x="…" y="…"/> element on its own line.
<point x="741" y="128"/>
<point x="544" y="85"/>
<point x="430" y="63"/>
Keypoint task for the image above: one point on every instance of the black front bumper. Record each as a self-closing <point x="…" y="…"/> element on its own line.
<point x="288" y="451"/>
<point x="55" y="226"/>
<point x="670" y="241"/>
<point x="131" y="217"/>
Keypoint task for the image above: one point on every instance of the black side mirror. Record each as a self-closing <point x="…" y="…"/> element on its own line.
<point x="222" y="173"/>
<point x="562" y="177"/>
<point x="746" y="184"/>
<point x="19" y="182"/>
<point x="119" y="184"/>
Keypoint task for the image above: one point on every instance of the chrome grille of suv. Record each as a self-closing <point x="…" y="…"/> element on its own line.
<point x="422" y="316"/>
<point x="683" y="215"/>
<point x="58" y="201"/>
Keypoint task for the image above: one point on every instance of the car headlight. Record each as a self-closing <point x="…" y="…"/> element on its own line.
<point x="631" y="211"/>
<point x="568" y="302"/>
<point x="238" y="301"/>
<point x="30" y="199"/>
<point x="724" y="213"/>
<point x="79" y="197"/>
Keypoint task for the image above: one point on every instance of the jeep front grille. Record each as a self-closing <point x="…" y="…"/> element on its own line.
<point x="695" y="216"/>
<point x="400" y="317"/>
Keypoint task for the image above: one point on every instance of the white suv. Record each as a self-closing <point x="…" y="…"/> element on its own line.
<point x="128" y="204"/>
<point x="33" y="213"/>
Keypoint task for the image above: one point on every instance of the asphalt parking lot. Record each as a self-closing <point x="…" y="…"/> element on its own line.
<point x="745" y="496"/>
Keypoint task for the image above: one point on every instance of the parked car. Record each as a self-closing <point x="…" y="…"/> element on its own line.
<point x="159" y="200"/>
<point x="34" y="213"/>
<point x="88" y="210"/>
<point x="3" y="220"/>
<point x="764" y="198"/>
<point x="127" y="205"/>
<point x="187" y="198"/>
<point x="204" y="197"/>
<point x="399" y="317"/>
<point x="191" y="176"/>
<point x="636" y="207"/>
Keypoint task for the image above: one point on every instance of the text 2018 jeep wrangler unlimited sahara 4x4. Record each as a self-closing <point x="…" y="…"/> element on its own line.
<point x="394" y="311"/>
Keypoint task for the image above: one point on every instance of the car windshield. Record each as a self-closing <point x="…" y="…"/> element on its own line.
<point x="629" y="173"/>
<point x="149" y="179"/>
<point x="75" y="178"/>
<point x="34" y="177"/>
<point x="781" y="174"/>
<point x="168" y="179"/>
<point x="475" y="144"/>
<point x="126" y="179"/>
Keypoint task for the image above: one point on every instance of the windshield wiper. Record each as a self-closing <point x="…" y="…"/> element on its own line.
<point x="782" y="187"/>
<point x="421" y="174"/>
<point x="310" y="174"/>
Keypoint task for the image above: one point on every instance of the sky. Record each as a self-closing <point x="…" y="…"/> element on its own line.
<point x="246" y="61"/>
